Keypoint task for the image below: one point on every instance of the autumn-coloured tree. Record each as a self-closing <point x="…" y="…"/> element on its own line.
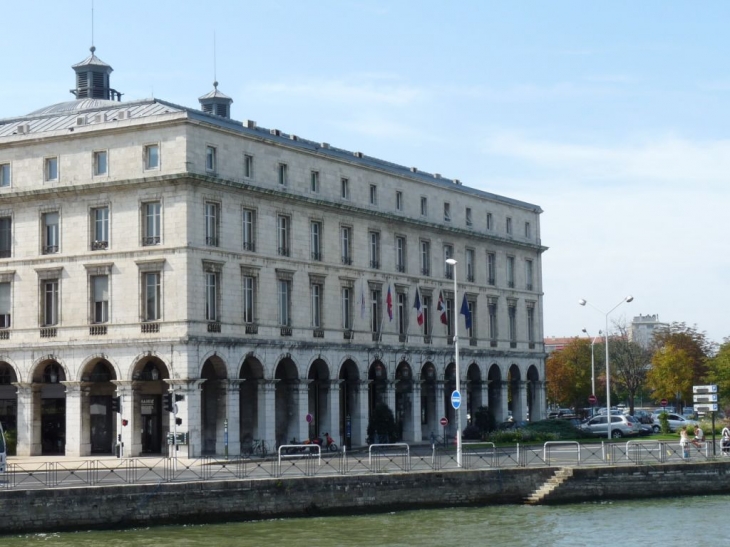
<point x="672" y="372"/>
<point x="629" y="364"/>
<point x="718" y="372"/>
<point x="568" y="374"/>
<point x="695" y="345"/>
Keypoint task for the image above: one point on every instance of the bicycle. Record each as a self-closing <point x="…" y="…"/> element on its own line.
<point x="257" y="447"/>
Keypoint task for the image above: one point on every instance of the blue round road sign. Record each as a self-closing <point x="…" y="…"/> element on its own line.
<point x="456" y="400"/>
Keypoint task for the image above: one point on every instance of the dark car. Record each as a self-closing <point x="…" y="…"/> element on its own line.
<point x="644" y="429"/>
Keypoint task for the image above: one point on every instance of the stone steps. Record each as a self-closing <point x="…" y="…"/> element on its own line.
<point x="539" y="495"/>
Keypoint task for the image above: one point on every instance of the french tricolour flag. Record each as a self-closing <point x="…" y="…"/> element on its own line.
<point x="419" y="307"/>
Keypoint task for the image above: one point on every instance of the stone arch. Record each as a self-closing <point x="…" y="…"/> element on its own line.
<point x="515" y="392"/>
<point x="213" y="393"/>
<point x="351" y="427"/>
<point x="378" y="386"/>
<point x="474" y="391"/>
<point x="287" y="401"/>
<point x="8" y="395"/>
<point x="144" y="366"/>
<point x="151" y="423"/>
<point x="497" y="399"/>
<point x="534" y="392"/>
<point x="98" y="423"/>
<point x="251" y="390"/>
<point x="49" y="434"/>
<point x="404" y="401"/>
<point x="13" y="365"/>
<point x="448" y="389"/>
<point x="429" y="400"/>
<point x="318" y="397"/>
<point x="91" y="360"/>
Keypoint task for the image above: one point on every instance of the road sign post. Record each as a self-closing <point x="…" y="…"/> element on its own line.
<point x="664" y="403"/>
<point x="707" y="397"/>
<point x="444" y="422"/>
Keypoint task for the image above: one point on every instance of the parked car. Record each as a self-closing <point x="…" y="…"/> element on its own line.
<point x="620" y="426"/>
<point x="561" y="413"/>
<point x="644" y="429"/>
<point x="676" y="422"/>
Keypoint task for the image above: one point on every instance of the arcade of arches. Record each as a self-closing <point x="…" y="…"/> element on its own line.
<point x="288" y="401"/>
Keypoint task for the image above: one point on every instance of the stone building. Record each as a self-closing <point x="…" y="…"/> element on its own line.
<point x="269" y="281"/>
<point x="643" y="328"/>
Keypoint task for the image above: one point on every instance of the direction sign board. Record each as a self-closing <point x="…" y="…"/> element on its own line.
<point x="592" y="399"/>
<point x="707" y="398"/>
<point x="712" y="388"/>
<point x="456" y="400"/>
<point x="710" y="407"/>
<point x="444" y="421"/>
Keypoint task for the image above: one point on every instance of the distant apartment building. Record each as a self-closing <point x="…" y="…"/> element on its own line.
<point x="643" y="328"/>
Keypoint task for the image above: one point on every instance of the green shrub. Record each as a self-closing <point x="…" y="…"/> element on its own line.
<point x="11" y="439"/>
<point x="664" y="423"/>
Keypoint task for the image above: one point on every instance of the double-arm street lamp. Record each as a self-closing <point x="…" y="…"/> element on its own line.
<point x="593" y="362"/>
<point x="583" y="302"/>
<point x="451" y="262"/>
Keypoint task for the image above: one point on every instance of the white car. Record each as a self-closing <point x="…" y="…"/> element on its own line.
<point x="676" y="422"/>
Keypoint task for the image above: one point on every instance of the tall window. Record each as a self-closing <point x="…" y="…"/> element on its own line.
<point x="212" y="293"/>
<point x="249" y="302"/>
<point x="400" y="253"/>
<point x="51" y="169"/>
<point x="424" y="207"/>
<point x="374" y="250"/>
<point x="375" y="317"/>
<point x="314" y="182"/>
<point x="4" y="174"/>
<point x="492" y="312"/>
<point x="50" y="233"/>
<point x="512" y="316"/>
<point x="315" y="231"/>
<point x="373" y="194"/>
<point x="283" y="174"/>
<point x="100" y="299"/>
<point x="447" y="212"/>
<point x="152" y="225"/>
<point x="398" y="200"/>
<point x="402" y="311"/>
<point x="449" y="316"/>
<point x="346" y="244"/>
<point x="50" y="310"/>
<point x="528" y="230"/>
<point x="284" y="302"/>
<point x="345" y="189"/>
<point x="346" y="308"/>
<point x="448" y="268"/>
<point x="531" y="322"/>
<point x="152" y="156"/>
<point x="511" y="272"/>
<point x="316" y="289"/>
<point x="472" y="312"/>
<point x="6" y="237"/>
<point x="425" y="257"/>
<point x="212" y="223"/>
<point x="490" y="222"/>
<point x="152" y="296"/>
<point x="528" y="275"/>
<point x="5" y="305"/>
<point x="283" y="235"/>
<point x="100" y="163"/>
<point x="468" y="216"/>
<point x="491" y="268"/>
<point x="508" y="227"/>
<point x="470" y="265"/>
<point x="247" y="166"/>
<point x="210" y="159"/>
<point x="426" y="315"/>
<point x="100" y="227"/>
<point x="249" y="230"/>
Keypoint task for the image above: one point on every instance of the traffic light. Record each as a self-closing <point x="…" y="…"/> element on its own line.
<point x="168" y="402"/>
<point x="116" y="404"/>
<point x="178" y="421"/>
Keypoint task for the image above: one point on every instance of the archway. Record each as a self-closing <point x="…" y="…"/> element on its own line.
<point x="318" y="397"/>
<point x="8" y="398"/>
<point x="213" y="404"/>
<point x="449" y="387"/>
<point x="252" y="371"/>
<point x="534" y="412"/>
<point x="514" y="385"/>
<point x="474" y="388"/>
<point x="430" y="417"/>
<point x="50" y="374"/>
<point x="496" y="401"/>
<point x="350" y="422"/>
<point x="150" y="427"/>
<point x="286" y="401"/>
<point x="378" y="387"/>
<point x="99" y="424"/>
<point x="404" y="401"/>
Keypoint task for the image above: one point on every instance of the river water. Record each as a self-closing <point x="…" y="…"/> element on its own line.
<point x="646" y="523"/>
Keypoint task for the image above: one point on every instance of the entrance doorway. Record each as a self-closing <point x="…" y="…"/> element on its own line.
<point x="102" y="425"/>
<point x="151" y="408"/>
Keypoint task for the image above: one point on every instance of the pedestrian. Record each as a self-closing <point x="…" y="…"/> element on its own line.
<point x="725" y="441"/>
<point x="684" y="442"/>
<point x="699" y="437"/>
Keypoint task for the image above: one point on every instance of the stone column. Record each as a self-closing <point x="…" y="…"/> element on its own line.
<point x="29" y="419"/>
<point x="541" y="404"/>
<point x="190" y="412"/>
<point x="522" y="400"/>
<point x="131" y="433"/>
<point x="440" y="407"/>
<point x="415" y="434"/>
<point x="266" y="427"/>
<point x="485" y="394"/>
<point x="300" y="428"/>
<point x="503" y="410"/>
<point x="78" y="418"/>
<point x="333" y="403"/>
<point x="233" y="410"/>
<point x="361" y="416"/>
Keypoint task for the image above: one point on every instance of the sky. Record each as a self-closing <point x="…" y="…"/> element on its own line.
<point x="613" y="117"/>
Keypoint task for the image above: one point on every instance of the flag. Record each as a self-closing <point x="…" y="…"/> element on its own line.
<point x="389" y="305"/>
<point x="466" y="312"/>
<point x="363" y="304"/>
<point x="441" y="307"/>
<point x="419" y="308"/>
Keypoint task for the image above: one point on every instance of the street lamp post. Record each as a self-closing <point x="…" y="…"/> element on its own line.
<point x="451" y="262"/>
<point x="583" y="302"/>
<point x="593" y="363"/>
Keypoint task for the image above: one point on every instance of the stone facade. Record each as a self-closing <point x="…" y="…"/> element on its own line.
<point x="146" y="247"/>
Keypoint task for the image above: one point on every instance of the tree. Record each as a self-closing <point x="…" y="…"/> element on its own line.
<point x="568" y="373"/>
<point x="672" y="372"/>
<point x="718" y="372"/>
<point x="629" y="364"/>
<point x="695" y="345"/>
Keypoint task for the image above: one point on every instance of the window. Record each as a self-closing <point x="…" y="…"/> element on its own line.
<point x="468" y="216"/>
<point x="152" y="156"/>
<point x="470" y="331"/>
<point x="50" y="233"/>
<point x="346" y="244"/>
<point x="284" y="302"/>
<point x="5" y="307"/>
<point x="470" y="265"/>
<point x="345" y="189"/>
<point x="426" y="315"/>
<point x="316" y="293"/>
<point x="511" y="272"/>
<point x="315" y="230"/>
<point x="49" y="313"/>
<point x="492" y="312"/>
<point x="247" y="166"/>
<point x="531" y="322"/>
<point x="152" y="226"/>
<point x="491" y="268"/>
<point x="249" y="299"/>
<point x="283" y="174"/>
<point x="447" y="212"/>
<point x="100" y="228"/>
<point x="508" y="227"/>
<point x="212" y="223"/>
<point x="425" y="257"/>
<point x="398" y="200"/>
<point x="448" y="268"/>
<point x="424" y="207"/>
<point x="152" y="304"/>
<point x="314" y="182"/>
<point x="283" y="235"/>
<point x="249" y="230"/>
<point x="346" y="308"/>
<point x="212" y="293"/>
<point x="402" y="312"/>
<point x="6" y="237"/>
<point x="373" y="194"/>
<point x="528" y="275"/>
<point x="99" y="299"/>
<point x="490" y="222"/>
<point x="100" y="164"/>
<point x="210" y="159"/>
<point x="51" y="169"/>
<point x="528" y="231"/>
<point x="4" y="174"/>
<point x="512" y="315"/>
<point x="374" y="250"/>
<point x="375" y="319"/>
<point x="400" y="253"/>
<point x="449" y="316"/>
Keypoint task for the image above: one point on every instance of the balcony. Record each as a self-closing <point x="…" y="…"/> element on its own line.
<point x="448" y="274"/>
<point x="317" y="256"/>
<point x="513" y="345"/>
<point x="426" y="271"/>
<point x="97" y="330"/>
<point x="211" y="241"/>
<point x="251" y="328"/>
<point x="5" y="253"/>
<point x="400" y="268"/>
<point x="50" y="249"/>
<point x="49" y="332"/>
<point x="491" y="281"/>
<point x="214" y="326"/>
<point x="375" y="264"/>
<point x="99" y="245"/>
<point x="492" y="343"/>
<point x="511" y="284"/>
<point x="286" y="331"/>
<point x="283" y="251"/>
<point x="450" y="340"/>
<point x="528" y="286"/>
<point x="150" y="240"/>
<point x="149" y="328"/>
<point x="347" y="260"/>
<point x="402" y="338"/>
<point x="531" y="345"/>
<point x="348" y="334"/>
<point x="470" y="278"/>
<point x="4" y="335"/>
<point x="472" y="341"/>
<point x="318" y="333"/>
<point x="428" y="339"/>
<point x="376" y="337"/>
<point x="249" y="246"/>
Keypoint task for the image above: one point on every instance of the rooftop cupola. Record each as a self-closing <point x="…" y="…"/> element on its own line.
<point x="216" y="103"/>
<point x="92" y="79"/>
